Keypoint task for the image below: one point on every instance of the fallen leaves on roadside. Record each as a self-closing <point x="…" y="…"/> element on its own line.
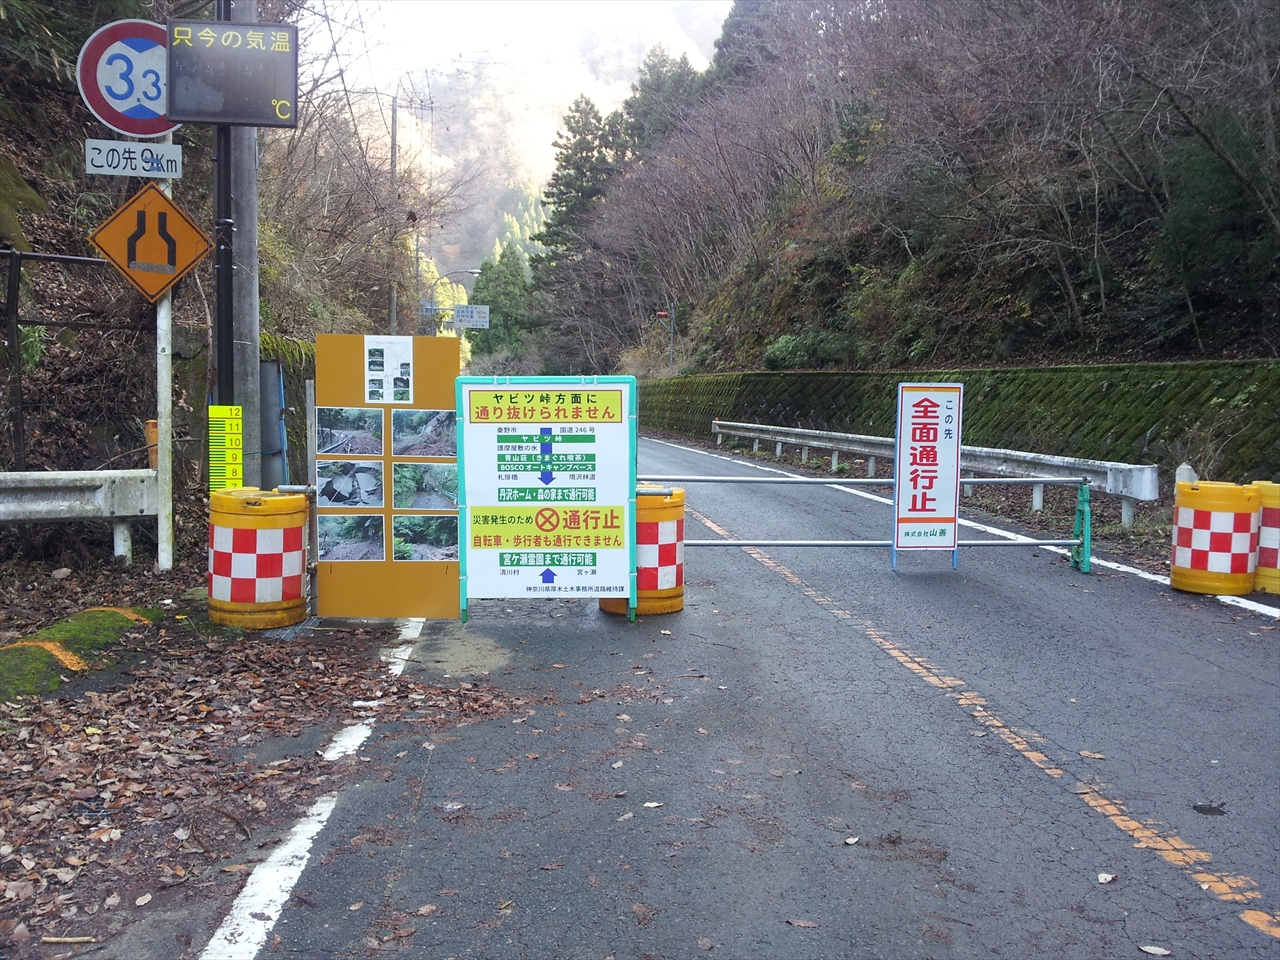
<point x="163" y="764"/>
<point x="626" y="816"/>
<point x="356" y="906"/>
<point x="1156" y="951"/>
<point x="665" y="633"/>
<point x="550" y="866"/>
<point x="1106" y="877"/>
<point x="564" y="787"/>
<point x="622" y="717"/>
<point x="850" y="841"/>
<point x="702" y="731"/>
<point x="1090" y="755"/>
<point x="616" y="764"/>
<point x="652" y="804"/>
<point x="807" y="924"/>
<point x="143" y="900"/>
<point x="705" y="943"/>
<point x="427" y="909"/>
<point x="644" y="914"/>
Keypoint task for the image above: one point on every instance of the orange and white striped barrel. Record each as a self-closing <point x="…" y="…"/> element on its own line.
<point x="1267" y="575"/>
<point x="257" y="558"/>
<point x="659" y="555"/>
<point x="1215" y="538"/>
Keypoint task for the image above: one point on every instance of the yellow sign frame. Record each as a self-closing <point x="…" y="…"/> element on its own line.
<point x="387" y="587"/>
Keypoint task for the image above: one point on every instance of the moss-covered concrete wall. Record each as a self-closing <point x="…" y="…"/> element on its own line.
<point x="1222" y="417"/>
<point x="298" y="358"/>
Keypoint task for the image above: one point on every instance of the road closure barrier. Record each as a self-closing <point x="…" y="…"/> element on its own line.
<point x="1267" y="576"/>
<point x="1215" y="538"/>
<point x="659" y="553"/>
<point x="257" y="558"/>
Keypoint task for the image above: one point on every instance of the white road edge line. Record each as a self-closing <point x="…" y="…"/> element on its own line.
<point x="410" y="630"/>
<point x="1251" y="605"/>
<point x="242" y="933"/>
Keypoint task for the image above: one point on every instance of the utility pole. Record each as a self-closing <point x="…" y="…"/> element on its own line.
<point x="667" y="320"/>
<point x="247" y="359"/>
<point x="392" y="325"/>
<point x="223" y="265"/>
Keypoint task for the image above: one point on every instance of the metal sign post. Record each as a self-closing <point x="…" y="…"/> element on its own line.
<point x="926" y="489"/>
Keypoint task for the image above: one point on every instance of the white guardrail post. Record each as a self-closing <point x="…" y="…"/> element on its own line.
<point x="1130" y="482"/>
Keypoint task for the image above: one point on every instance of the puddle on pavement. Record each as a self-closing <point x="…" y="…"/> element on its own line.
<point x="1210" y="809"/>
<point x="457" y="650"/>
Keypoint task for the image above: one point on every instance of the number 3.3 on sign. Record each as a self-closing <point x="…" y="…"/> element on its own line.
<point x="116" y="158"/>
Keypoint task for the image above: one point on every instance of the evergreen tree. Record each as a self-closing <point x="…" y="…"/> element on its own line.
<point x="663" y="87"/>
<point x="504" y="286"/>
<point x="586" y="151"/>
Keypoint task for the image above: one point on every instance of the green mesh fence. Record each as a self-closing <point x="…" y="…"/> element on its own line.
<point x="1222" y="417"/>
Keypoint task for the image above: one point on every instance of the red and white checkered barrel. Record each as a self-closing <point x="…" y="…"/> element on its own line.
<point x="1215" y="538"/>
<point x="257" y="558"/>
<point x="1267" y="576"/>
<point x="659" y="554"/>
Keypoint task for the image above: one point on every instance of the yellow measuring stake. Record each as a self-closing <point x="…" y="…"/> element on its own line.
<point x="226" y="447"/>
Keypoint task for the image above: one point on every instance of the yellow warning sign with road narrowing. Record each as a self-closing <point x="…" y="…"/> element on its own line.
<point x="151" y="241"/>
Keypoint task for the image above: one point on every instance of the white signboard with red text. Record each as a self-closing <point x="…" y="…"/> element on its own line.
<point x="926" y="493"/>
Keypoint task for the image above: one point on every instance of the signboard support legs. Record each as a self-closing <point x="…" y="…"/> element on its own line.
<point x="313" y="526"/>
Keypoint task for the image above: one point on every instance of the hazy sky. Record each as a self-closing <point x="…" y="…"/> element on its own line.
<point x="540" y="53"/>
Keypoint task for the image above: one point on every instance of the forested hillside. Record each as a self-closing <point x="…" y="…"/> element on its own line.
<point x="933" y="182"/>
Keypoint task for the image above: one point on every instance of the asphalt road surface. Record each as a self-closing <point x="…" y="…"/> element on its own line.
<point x="998" y="739"/>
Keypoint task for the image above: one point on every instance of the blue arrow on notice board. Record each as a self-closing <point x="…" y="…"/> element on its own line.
<point x="548" y="575"/>
<point x="546" y="476"/>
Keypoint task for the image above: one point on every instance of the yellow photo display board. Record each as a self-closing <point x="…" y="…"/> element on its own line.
<point x="386" y="477"/>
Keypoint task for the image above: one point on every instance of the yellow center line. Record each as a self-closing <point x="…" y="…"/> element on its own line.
<point x="1172" y="849"/>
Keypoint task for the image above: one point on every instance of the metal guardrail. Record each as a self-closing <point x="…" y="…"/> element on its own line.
<point x="1130" y="482"/>
<point x="115" y="495"/>
<point x="1081" y="543"/>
